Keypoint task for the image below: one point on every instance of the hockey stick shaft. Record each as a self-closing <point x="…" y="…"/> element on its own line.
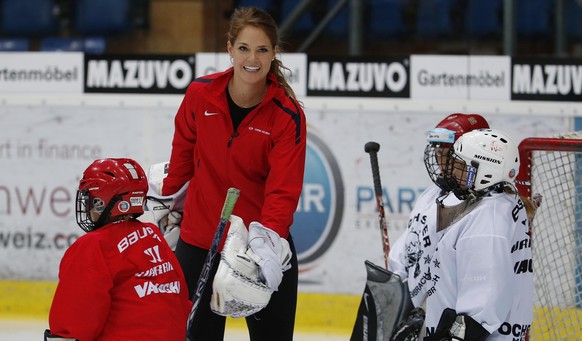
<point x="231" y="198"/>
<point x="372" y="148"/>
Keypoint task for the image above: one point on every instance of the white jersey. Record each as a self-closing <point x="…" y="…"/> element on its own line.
<point x="482" y="267"/>
<point x="411" y="254"/>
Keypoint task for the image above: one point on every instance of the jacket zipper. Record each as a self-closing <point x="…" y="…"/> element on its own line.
<point x="235" y="134"/>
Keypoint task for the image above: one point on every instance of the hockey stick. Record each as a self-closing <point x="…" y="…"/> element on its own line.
<point x="372" y="148"/>
<point x="229" y="202"/>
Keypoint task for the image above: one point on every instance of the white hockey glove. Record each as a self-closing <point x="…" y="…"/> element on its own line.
<point x="237" y="289"/>
<point x="271" y="252"/>
<point x="164" y="211"/>
<point x="171" y="230"/>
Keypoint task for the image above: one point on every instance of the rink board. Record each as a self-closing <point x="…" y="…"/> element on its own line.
<point x="316" y="313"/>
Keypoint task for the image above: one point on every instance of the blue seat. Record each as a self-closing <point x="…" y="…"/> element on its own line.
<point x="28" y="17"/>
<point x="434" y="18"/>
<point x="303" y="25"/>
<point x="93" y="45"/>
<point x="483" y="18"/>
<point x="264" y="4"/>
<point x="102" y="17"/>
<point x="61" y="44"/>
<point x="533" y="18"/>
<point x="386" y="18"/>
<point x="338" y="26"/>
<point x="573" y="22"/>
<point x="16" y="44"/>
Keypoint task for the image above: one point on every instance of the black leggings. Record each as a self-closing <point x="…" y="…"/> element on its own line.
<point x="275" y="322"/>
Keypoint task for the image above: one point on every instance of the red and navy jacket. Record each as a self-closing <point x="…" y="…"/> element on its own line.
<point x="264" y="158"/>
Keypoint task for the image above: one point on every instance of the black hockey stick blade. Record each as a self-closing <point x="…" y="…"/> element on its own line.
<point x="385" y="303"/>
<point x="231" y="198"/>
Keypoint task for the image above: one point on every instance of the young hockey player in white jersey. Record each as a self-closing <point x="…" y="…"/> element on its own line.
<point x="411" y="253"/>
<point x="481" y="285"/>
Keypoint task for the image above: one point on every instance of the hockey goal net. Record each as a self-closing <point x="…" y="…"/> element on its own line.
<point x="553" y="168"/>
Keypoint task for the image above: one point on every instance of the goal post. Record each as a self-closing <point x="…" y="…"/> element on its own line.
<point x="553" y="168"/>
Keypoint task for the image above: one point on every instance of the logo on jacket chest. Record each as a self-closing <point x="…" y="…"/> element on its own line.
<point x="259" y="130"/>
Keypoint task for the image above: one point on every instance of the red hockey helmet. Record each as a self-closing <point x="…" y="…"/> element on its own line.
<point x="453" y="126"/>
<point x="110" y="188"/>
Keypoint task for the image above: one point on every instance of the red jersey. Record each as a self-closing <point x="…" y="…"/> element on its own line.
<point x="264" y="158"/>
<point x="120" y="282"/>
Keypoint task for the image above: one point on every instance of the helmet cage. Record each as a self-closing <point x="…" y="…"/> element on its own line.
<point x="459" y="176"/>
<point x="435" y="155"/>
<point x="82" y="209"/>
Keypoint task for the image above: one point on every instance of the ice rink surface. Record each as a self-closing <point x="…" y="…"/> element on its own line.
<point x="32" y="330"/>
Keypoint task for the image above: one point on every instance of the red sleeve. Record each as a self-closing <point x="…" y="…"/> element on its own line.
<point x="182" y="159"/>
<point x="285" y="180"/>
<point x="81" y="303"/>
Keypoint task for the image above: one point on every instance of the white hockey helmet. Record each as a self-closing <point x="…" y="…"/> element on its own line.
<point x="488" y="157"/>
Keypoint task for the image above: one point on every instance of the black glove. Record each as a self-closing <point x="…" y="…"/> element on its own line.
<point x="409" y="329"/>
<point x="457" y="327"/>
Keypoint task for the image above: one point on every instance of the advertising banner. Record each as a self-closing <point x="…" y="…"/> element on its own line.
<point x="165" y="74"/>
<point x="41" y="72"/>
<point x="460" y="77"/>
<point x="336" y="228"/>
<point x="546" y="79"/>
<point x="358" y="77"/>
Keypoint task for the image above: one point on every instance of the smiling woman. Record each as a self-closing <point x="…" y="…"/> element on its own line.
<point x="242" y="128"/>
<point x="251" y="55"/>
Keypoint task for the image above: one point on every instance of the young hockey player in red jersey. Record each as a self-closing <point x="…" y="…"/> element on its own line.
<point x="117" y="281"/>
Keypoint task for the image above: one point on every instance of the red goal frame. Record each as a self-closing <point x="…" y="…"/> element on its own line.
<point x="531" y="144"/>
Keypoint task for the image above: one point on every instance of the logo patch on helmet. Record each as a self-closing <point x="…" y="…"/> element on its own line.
<point x="123" y="206"/>
<point x="471" y="175"/>
<point x="495" y="147"/>
<point x="136" y="201"/>
<point x="512" y="173"/>
<point x="98" y="204"/>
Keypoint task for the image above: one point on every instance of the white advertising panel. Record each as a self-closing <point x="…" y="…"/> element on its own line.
<point x="41" y="72"/>
<point x="460" y="77"/>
